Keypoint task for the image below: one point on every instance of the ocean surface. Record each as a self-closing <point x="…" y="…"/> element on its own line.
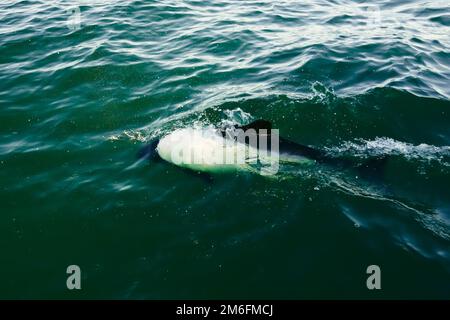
<point x="85" y="84"/>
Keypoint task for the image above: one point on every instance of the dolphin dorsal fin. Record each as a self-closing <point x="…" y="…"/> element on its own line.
<point x="258" y="125"/>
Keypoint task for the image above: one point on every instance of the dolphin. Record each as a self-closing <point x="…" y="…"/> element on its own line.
<point x="255" y="147"/>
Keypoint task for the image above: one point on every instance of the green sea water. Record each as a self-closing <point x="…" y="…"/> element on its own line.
<point x="85" y="84"/>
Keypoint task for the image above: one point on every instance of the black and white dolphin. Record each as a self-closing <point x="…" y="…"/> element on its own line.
<point x="255" y="147"/>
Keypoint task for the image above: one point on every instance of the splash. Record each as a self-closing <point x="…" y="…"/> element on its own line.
<point x="321" y="93"/>
<point x="382" y="146"/>
<point x="132" y="135"/>
<point x="236" y="116"/>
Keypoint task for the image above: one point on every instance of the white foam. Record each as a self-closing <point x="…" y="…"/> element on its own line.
<point x="382" y="146"/>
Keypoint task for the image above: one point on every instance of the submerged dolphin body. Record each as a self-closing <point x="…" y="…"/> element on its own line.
<point x="207" y="145"/>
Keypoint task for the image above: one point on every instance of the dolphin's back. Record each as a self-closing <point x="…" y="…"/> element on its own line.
<point x="286" y="147"/>
<point x="294" y="148"/>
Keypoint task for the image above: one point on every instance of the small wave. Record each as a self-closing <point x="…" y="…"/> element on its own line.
<point x="382" y="146"/>
<point x="132" y="135"/>
<point x="425" y="216"/>
<point x="228" y="117"/>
